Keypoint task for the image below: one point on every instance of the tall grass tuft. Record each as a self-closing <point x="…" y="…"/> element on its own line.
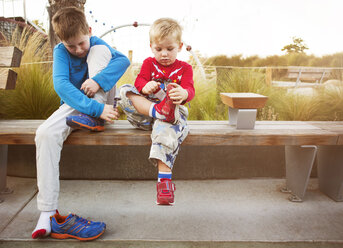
<point x="297" y="107"/>
<point x="34" y="96"/>
<point x="330" y="101"/>
<point x="204" y="105"/>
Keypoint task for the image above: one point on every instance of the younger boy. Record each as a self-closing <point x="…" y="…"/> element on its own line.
<point x="85" y="69"/>
<point x="156" y="101"/>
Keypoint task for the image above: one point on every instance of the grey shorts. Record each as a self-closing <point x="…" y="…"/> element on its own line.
<point x="166" y="137"/>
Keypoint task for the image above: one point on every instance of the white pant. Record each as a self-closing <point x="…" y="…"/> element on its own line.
<point x="54" y="131"/>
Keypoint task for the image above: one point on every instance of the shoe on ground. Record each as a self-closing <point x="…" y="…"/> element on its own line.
<point x="165" y="192"/>
<point x="167" y="108"/>
<point x="73" y="226"/>
<point x="83" y="121"/>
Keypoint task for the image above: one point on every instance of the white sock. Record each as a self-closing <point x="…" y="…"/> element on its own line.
<point x="154" y="114"/>
<point x="44" y="222"/>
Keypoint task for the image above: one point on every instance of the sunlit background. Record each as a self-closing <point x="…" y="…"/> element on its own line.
<point x="228" y="27"/>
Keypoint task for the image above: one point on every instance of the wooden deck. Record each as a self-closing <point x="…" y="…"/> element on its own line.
<point x="202" y="133"/>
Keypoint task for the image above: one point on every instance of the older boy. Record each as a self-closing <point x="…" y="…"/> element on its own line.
<point x="163" y="85"/>
<point x="85" y="69"/>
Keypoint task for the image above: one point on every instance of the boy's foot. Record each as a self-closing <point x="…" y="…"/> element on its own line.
<point x="167" y="108"/>
<point x="83" y="121"/>
<point x="73" y="226"/>
<point x="165" y="192"/>
<point x="43" y="228"/>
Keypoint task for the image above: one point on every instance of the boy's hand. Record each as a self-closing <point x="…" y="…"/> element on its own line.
<point x="178" y="94"/>
<point x="150" y="87"/>
<point x="109" y="113"/>
<point x="90" y="87"/>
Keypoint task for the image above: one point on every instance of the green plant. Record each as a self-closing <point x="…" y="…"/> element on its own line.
<point x="330" y="100"/>
<point x="297" y="107"/>
<point x="205" y="106"/>
<point x="34" y="96"/>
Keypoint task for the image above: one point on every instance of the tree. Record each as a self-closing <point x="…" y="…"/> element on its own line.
<point x="297" y="46"/>
<point x="55" y="5"/>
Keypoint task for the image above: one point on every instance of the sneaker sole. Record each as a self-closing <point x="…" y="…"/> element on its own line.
<point x="165" y="202"/>
<point x="78" y="125"/>
<point x="66" y="236"/>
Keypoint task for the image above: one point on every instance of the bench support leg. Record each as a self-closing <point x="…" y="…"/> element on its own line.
<point x="299" y="163"/>
<point x="242" y="118"/>
<point x="3" y="170"/>
<point x="330" y="171"/>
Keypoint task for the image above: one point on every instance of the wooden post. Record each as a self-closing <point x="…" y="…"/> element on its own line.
<point x="130" y="56"/>
<point x="9" y="57"/>
<point x="269" y="76"/>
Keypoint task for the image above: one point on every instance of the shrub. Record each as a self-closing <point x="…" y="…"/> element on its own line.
<point x="34" y="96"/>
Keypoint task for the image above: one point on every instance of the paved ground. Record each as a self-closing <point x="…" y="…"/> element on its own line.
<point x="207" y="213"/>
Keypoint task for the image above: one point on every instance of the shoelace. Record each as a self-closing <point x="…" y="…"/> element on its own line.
<point x="81" y="220"/>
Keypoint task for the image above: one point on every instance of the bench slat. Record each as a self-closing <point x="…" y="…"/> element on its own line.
<point x="312" y="74"/>
<point x="218" y="133"/>
<point x="309" y="70"/>
<point x="8" y="79"/>
<point x="10" y="56"/>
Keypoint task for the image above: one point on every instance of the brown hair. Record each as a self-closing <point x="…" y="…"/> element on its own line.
<point x="164" y="27"/>
<point x="69" y="22"/>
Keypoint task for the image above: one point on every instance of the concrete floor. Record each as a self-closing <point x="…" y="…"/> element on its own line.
<point x="207" y="213"/>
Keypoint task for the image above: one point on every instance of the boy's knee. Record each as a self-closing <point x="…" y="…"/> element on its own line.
<point x="125" y="91"/>
<point x="42" y="133"/>
<point x="98" y="58"/>
<point x="99" y="53"/>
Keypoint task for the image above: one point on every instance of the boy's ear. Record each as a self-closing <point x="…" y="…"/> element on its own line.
<point x="180" y="47"/>
<point x="90" y="31"/>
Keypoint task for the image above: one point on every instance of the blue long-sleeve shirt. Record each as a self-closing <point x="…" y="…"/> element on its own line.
<point x="69" y="72"/>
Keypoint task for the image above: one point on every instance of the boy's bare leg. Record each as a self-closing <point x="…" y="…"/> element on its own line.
<point x="162" y="167"/>
<point x="141" y="104"/>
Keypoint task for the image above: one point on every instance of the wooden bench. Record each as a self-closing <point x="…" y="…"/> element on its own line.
<point x="302" y="141"/>
<point x="314" y="75"/>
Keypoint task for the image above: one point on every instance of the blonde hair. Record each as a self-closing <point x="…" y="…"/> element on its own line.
<point x="69" y="22"/>
<point x="165" y="27"/>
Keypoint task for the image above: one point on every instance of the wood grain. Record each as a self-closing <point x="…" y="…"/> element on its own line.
<point x="202" y="133"/>
<point x="8" y="79"/>
<point x="10" y="57"/>
<point x="244" y="100"/>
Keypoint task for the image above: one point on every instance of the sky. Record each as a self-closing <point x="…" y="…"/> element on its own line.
<point x="211" y="27"/>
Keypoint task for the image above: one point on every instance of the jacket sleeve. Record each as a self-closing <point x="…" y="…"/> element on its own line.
<point x="144" y="75"/>
<point x="187" y="82"/>
<point x="68" y="92"/>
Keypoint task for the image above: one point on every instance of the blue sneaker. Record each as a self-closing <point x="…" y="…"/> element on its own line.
<point x="73" y="226"/>
<point x="86" y="122"/>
